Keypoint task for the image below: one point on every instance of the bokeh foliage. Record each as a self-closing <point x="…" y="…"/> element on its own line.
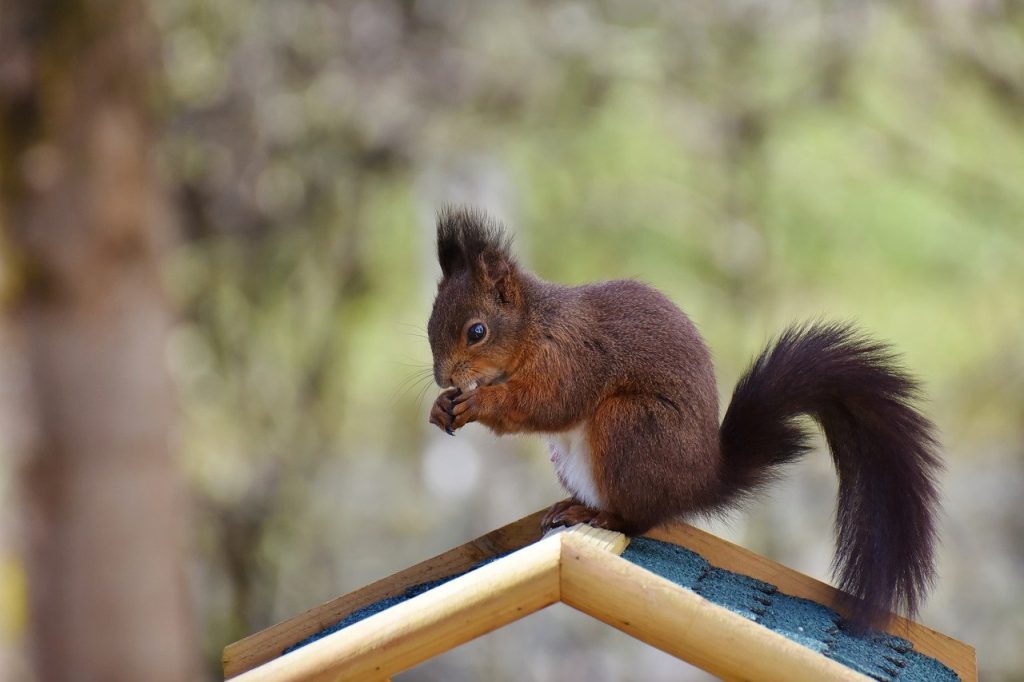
<point x="759" y="161"/>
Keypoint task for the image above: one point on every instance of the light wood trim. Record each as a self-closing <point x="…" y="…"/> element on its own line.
<point x="684" y="624"/>
<point x="268" y="644"/>
<point x="723" y="554"/>
<point x="426" y="625"/>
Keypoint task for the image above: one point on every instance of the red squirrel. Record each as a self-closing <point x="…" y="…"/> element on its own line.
<point x="619" y="380"/>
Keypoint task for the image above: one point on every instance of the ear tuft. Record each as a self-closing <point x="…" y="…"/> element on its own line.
<point x="467" y="239"/>
<point x="450" y="252"/>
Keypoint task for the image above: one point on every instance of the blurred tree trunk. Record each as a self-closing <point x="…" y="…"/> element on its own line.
<point x="84" y="220"/>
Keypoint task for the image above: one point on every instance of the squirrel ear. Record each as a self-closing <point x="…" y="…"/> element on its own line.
<point x="450" y="257"/>
<point x="499" y="273"/>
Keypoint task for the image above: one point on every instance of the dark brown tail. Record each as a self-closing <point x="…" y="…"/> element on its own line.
<point x="883" y="448"/>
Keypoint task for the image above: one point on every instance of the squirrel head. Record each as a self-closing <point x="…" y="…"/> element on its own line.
<point x="479" y="313"/>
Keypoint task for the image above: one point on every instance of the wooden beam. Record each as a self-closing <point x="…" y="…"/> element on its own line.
<point x="684" y="624"/>
<point x="955" y="654"/>
<point x="434" y="622"/>
<point x="268" y="644"/>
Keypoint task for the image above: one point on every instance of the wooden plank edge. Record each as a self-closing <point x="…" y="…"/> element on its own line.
<point x="602" y="539"/>
<point x="960" y="657"/>
<point x="267" y="644"/>
<point x="416" y="630"/>
<point x="684" y="624"/>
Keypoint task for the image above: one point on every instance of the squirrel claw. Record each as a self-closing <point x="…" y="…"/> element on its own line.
<point x="573" y="513"/>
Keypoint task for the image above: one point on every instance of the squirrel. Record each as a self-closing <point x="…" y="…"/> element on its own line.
<point x="620" y="381"/>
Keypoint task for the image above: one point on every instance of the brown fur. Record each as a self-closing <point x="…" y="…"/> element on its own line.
<point x="617" y="353"/>
<point x="624" y="359"/>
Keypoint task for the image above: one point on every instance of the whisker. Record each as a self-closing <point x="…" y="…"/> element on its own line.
<point x="422" y="372"/>
<point x="417" y="364"/>
<point x="422" y="394"/>
<point x="413" y="330"/>
<point x="410" y="382"/>
<point x="415" y="370"/>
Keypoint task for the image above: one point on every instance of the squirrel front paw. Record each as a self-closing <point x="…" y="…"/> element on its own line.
<point x="441" y="414"/>
<point x="453" y="409"/>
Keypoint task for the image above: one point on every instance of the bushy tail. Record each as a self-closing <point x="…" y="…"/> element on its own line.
<point x="883" y="448"/>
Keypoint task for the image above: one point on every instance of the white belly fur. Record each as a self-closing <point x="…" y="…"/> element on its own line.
<point x="570" y="453"/>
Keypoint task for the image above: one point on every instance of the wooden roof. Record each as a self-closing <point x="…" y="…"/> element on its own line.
<point x="582" y="568"/>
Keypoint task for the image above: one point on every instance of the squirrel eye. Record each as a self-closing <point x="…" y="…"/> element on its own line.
<point x="475" y="333"/>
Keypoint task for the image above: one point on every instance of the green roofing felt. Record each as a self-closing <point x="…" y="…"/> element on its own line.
<point x="878" y="655"/>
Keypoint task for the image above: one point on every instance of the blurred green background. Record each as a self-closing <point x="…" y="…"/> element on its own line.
<point x="760" y="162"/>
